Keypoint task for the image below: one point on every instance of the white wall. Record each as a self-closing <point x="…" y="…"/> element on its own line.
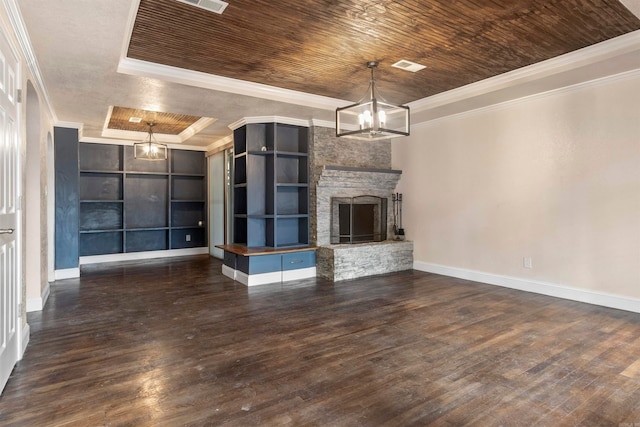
<point x="554" y="177"/>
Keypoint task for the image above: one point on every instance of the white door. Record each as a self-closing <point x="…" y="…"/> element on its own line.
<point x="9" y="314"/>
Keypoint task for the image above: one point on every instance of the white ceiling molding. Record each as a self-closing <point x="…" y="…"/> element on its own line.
<point x="196" y="127"/>
<point x="136" y="67"/>
<point x="269" y="119"/>
<point x="323" y="123"/>
<point x="92" y="140"/>
<point x="131" y="20"/>
<point x="224" y="84"/>
<point x="72" y="125"/>
<point x="20" y="31"/>
<point x="219" y="145"/>
<point x="633" y="74"/>
<point x="139" y="136"/>
<point x="190" y="131"/>
<point x="601" y="52"/>
<point x="633" y="6"/>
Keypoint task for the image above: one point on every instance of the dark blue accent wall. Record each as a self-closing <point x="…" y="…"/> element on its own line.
<point x="67" y="198"/>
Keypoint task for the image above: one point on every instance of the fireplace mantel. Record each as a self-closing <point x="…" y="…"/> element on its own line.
<point x="353" y="177"/>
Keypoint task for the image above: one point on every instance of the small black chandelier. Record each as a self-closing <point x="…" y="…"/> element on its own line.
<point x="372" y="118"/>
<point x="150" y="149"/>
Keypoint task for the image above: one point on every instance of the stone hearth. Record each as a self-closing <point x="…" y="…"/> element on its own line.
<point x="342" y="262"/>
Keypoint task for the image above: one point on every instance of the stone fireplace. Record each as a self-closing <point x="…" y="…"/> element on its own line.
<point x="340" y="193"/>
<point x="355" y="173"/>
<point x="339" y="184"/>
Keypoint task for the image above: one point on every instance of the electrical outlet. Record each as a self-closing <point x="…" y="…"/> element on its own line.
<point x="527" y="262"/>
<point x="187" y="237"/>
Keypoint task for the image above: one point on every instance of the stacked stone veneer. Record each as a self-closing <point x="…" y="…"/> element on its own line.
<point x="325" y="149"/>
<point x="342" y="262"/>
<point x="349" y="168"/>
<point x="343" y="181"/>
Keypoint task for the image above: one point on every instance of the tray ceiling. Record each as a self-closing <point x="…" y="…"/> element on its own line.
<point x="321" y="47"/>
<point x="166" y="123"/>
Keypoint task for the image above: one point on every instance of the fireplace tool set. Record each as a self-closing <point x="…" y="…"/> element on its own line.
<point x="397" y="216"/>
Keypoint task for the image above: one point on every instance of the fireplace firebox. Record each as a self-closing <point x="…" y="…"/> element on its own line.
<point x="358" y="219"/>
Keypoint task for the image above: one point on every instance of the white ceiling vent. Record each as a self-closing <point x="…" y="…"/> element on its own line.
<point x="216" y="6"/>
<point x="403" y="64"/>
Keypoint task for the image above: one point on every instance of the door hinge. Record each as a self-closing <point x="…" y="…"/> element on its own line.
<point x="18" y="96"/>
<point x="20" y="310"/>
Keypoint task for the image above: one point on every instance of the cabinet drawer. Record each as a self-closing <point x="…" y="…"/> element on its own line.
<point x="296" y="260"/>
<point x="256" y="264"/>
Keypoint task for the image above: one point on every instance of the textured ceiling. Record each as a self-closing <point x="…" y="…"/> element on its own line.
<point x="321" y="47"/>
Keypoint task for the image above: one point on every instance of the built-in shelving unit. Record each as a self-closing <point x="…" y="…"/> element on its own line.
<point x="133" y="205"/>
<point x="271" y="202"/>
<point x="271" y="185"/>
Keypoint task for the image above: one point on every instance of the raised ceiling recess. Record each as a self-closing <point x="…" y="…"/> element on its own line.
<point x="123" y="122"/>
<point x="321" y="47"/>
<point x="167" y="123"/>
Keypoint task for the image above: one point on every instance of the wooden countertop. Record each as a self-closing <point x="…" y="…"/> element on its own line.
<point x="245" y="251"/>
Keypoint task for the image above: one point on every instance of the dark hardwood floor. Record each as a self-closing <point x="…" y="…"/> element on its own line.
<point x="173" y="342"/>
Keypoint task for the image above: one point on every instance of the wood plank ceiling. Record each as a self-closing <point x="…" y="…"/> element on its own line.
<point x="321" y="46"/>
<point x="165" y="123"/>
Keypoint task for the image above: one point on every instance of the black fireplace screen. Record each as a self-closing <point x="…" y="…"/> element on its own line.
<point x="358" y="219"/>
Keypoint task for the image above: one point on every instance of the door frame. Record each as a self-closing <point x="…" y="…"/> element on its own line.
<point x="22" y="328"/>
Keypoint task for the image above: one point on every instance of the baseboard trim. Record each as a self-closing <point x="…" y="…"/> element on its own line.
<point x="37" y="304"/>
<point x="299" y="274"/>
<point x="229" y="272"/>
<point x="67" y="273"/>
<point x="26" y="334"/>
<point x="258" y="279"/>
<point x="134" y="256"/>
<point x="544" y="288"/>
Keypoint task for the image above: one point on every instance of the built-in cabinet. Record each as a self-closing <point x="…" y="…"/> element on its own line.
<point x="271" y="185"/>
<point x="271" y="204"/>
<point x="134" y="205"/>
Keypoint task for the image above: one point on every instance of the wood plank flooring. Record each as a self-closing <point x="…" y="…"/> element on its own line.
<point x="173" y="342"/>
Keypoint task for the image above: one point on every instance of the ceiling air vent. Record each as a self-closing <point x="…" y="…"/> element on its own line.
<point x="216" y="6"/>
<point x="408" y="65"/>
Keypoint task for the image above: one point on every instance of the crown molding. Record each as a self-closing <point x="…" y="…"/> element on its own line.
<point x="323" y="123"/>
<point x="632" y="6"/>
<point x="71" y="125"/>
<point x="269" y="119"/>
<point x="190" y="131"/>
<point x="589" y="55"/>
<point x="139" y="136"/>
<point x="219" y="145"/>
<point x="22" y="36"/>
<point x="196" y="127"/>
<point x="633" y="74"/>
<point x="92" y="140"/>
<point x="136" y="67"/>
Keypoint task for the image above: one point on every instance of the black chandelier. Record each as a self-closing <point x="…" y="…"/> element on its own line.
<point x="150" y="149"/>
<point x="372" y="118"/>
